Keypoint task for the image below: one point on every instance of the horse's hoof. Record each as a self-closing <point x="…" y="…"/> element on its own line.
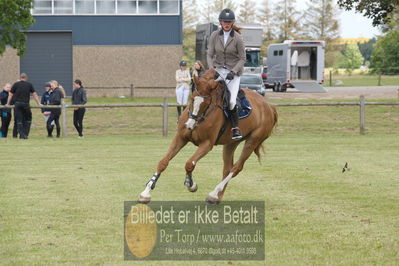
<point x="193" y="188"/>
<point x="144" y="200"/>
<point x="211" y="200"/>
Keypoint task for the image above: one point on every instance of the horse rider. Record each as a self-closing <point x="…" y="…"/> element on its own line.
<point x="226" y="54"/>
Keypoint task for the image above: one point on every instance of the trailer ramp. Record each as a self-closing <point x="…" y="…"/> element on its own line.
<point x="308" y="86"/>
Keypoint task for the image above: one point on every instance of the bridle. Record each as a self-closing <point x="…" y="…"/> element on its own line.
<point x="201" y="117"/>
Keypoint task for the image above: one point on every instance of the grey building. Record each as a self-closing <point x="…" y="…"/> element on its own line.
<point x="105" y="43"/>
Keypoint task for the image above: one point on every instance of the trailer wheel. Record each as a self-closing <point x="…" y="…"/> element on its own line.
<point x="277" y="87"/>
<point x="284" y="87"/>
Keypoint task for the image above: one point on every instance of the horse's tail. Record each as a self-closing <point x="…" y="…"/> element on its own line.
<point x="260" y="147"/>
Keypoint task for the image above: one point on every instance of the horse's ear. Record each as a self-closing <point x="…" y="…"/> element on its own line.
<point x="195" y="79"/>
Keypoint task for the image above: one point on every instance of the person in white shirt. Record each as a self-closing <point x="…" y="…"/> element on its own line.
<point x="183" y="79"/>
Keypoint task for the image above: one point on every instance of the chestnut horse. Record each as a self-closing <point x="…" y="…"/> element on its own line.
<point x="201" y="123"/>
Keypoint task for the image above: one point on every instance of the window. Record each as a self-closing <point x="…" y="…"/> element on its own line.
<point x="280" y="52"/>
<point x="127" y="7"/>
<point x="252" y="59"/>
<point x="84" y="7"/>
<point x="168" y="7"/>
<point x="106" y="7"/>
<point x="148" y="7"/>
<point x="63" y="7"/>
<point x="42" y="7"/>
<point x="275" y="53"/>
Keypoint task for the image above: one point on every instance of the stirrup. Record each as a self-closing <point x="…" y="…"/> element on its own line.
<point x="238" y="133"/>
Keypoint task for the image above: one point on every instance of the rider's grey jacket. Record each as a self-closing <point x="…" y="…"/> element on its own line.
<point x="231" y="56"/>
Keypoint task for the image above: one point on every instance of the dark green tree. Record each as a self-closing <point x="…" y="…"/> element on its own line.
<point x="378" y="11"/>
<point x="393" y="21"/>
<point x="367" y="49"/>
<point x="385" y="57"/>
<point x="14" y="19"/>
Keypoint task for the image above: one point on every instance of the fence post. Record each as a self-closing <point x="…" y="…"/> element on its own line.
<point x="362" y="115"/>
<point x="165" y="117"/>
<point x="330" y="78"/>
<point x="64" y="118"/>
<point x="131" y="91"/>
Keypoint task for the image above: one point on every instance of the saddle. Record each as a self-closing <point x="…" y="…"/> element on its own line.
<point x="243" y="105"/>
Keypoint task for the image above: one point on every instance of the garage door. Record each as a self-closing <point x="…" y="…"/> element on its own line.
<point x="48" y="57"/>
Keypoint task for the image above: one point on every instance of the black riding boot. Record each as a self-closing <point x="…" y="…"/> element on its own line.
<point x="234" y="124"/>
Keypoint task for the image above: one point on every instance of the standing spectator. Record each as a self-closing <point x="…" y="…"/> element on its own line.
<point x="5" y="112"/>
<point x="55" y="99"/>
<point x="22" y="90"/>
<point x="15" y="128"/>
<point x="197" y="71"/>
<point x="182" y="88"/>
<point x="46" y="101"/>
<point x="79" y="97"/>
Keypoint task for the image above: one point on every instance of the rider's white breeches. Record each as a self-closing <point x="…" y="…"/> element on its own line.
<point x="233" y="86"/>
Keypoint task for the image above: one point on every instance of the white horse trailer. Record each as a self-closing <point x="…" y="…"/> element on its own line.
<point x="296" y="64"/>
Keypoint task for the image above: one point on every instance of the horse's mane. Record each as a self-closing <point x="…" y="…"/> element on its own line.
<point x="209" y="74"/>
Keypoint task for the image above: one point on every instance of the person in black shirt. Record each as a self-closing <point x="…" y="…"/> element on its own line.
<point x="55" y="99"/>
<point x="79" y="97"/>
<point x="21" y="92"/>
<point x="5" y="113"/>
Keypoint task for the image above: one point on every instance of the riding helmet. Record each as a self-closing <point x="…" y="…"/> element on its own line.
<point x="227" y="15"/>
<point x="183" y="63"/>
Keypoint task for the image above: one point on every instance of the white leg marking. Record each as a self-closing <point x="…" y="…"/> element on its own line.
<point x="220" y="186"/>
<point x="146" y="191"/>
<point x="190" y="124"/>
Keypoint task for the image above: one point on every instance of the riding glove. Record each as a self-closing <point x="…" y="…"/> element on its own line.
<point x="230" y="75"/>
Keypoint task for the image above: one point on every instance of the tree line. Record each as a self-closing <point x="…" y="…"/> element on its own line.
<point x="280" y="19"/>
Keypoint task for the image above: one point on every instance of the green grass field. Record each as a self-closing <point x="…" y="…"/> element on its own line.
<point x="361" y="80"/>
<point x="61" y="200"/>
